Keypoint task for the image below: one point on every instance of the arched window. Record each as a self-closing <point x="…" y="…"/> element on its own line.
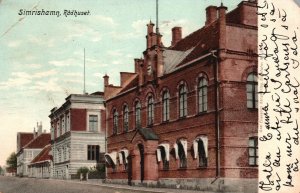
<point x="164" y="159"/>
<point x="150" y="110"/>
<point x="182" y="156"/>
<point x="202" y="154"/>
<point x="115" y="122"/>
<point x="166" y="105"/>
<point x="125" y="118"/>
<point x="182" y="101"/>
<point x="252" y="91"/>
<point x="202" y="95"/>
<point x="137" y="114"/>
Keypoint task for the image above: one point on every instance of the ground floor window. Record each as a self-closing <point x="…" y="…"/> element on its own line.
<point x="182" y="156"/>
<point x="253" y="151"/>
<point x="93" y="152"/>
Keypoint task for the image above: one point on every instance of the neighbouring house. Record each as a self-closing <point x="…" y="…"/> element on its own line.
<point x="77" y="134"/>
<point x="22" y="139"/>
<point x="187" y="116"/>
<point x="41" y="165"/>
<point x="26" y="153"/>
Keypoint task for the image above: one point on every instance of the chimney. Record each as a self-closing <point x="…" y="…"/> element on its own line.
<point x="136" y="65"/>
<point x="176" y="35"/>
<point x="39" y="128"/>
<point x="140" y="73"/>
<point x="211" y="14"/>
<point x="222" y="26"/>
<point x="150" y="34"/>
<point x="106" y="80"/>
<point x="34" y="133"/>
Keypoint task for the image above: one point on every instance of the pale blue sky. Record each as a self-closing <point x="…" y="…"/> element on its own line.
<point x="41" y="57"/>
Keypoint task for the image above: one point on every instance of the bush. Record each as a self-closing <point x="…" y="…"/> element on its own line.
<point x="83" y="170"/>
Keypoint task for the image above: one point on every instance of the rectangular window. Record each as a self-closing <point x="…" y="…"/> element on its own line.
<point x="253" y="151"/>
<point x="93" y="123"/>
<point x="93" y="152"/>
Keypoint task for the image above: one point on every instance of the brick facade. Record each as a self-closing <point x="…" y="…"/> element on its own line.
<point x="224" y="53"/>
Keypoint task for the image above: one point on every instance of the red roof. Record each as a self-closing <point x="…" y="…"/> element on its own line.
<point x="39" y="142"/>
<point x="25" y="138"/>
<point x="43" y="155"/>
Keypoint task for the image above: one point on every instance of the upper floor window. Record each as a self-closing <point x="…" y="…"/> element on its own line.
<point x="137" y="114"/>
<point x="252" y="99"/>
<point x="93" y="152"/>
<point x="253" y="151"/>
<point x="202" y="95"/>
<point x="125" y="118"/>
<point x="115" y="122"/>
<point x="67" y="124"/>
<point x="182" y="101"/>
<point x="166" y="105"/>
<point x="93" y="123"/>
<point x="57" y="129"/>
<point x="150" y="110"/>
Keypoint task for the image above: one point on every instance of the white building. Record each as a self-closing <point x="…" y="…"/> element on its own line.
<point x="29" y="145"/>
<point x="77" y="134"/>
<point x="41" y="165"/>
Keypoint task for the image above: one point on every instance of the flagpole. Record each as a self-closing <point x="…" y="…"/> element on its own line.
<point x="84" y="71"/>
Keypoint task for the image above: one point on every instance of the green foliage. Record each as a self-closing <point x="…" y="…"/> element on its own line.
<point x="11" y="161"/>
<point x="82" y="170"/>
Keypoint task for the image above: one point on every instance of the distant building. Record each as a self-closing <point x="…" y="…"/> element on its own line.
<point x="41" y="165"/>
<point x="187" y="116"/>
<point x="78" y="134"/>
<point x="34" y="143"/>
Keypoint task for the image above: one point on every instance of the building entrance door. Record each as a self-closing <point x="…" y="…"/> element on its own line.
<point x="129" y="170"/>
<point x="141" y="148"/>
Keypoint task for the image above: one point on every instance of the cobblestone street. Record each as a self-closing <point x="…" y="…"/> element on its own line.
<point x="32" y="185"/>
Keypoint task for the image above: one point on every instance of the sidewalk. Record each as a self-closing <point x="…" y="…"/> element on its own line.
<point x="134" y="188"/>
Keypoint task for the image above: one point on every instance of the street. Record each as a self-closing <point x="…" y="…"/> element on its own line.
<point x="32" y="185"/>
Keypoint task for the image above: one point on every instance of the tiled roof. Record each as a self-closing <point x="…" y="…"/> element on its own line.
<point x="43" y="155"/>
<point x="25" y="138"/>
<point x="200" y="41"/>
<point x="131" y="84"/>
<point x="39" y="142"/>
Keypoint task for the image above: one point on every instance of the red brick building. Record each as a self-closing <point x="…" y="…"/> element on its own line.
<point x="187" y="117"/>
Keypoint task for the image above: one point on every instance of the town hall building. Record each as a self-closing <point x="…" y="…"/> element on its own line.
<point x="187" y="116"/>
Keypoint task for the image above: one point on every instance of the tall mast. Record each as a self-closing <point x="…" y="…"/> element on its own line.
<point x="84" y="71"/>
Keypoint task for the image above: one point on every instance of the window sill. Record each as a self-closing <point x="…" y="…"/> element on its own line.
<point x="202" y="167"/>
<point x="252" y="109"/>
<point x="253" y="165"/>
<point x="183" y="168"/>
<point x="165" y="122"/>
<point x="183" y="117"/>
<point x="201" y="113"/>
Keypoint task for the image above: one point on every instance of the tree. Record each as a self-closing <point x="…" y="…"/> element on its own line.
<point x="1" y="170"/>
<point x="11" y="161"/>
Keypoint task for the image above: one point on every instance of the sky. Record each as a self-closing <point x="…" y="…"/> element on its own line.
<point x="41" y="57"/>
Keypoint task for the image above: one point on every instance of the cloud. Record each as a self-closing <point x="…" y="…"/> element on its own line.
<point x="35" y="66"/>
<point x="140" y="26"/>
<point x="14" y="44"/>
<point x="114" y="53"/>
<point x="73" y="74"/>
<point x="104" y="20"/>
<point x="44" y="74"/>
<point x="50" y="85"/>
<point x="65" y="62"/>
<point x="18" y="80"/>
